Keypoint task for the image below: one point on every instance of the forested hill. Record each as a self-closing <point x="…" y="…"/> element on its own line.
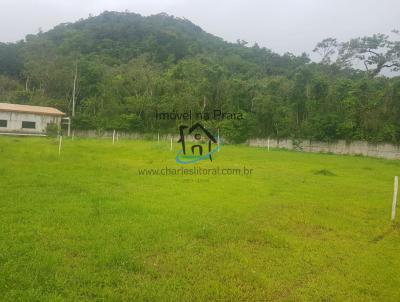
<point x="121" y="68"/>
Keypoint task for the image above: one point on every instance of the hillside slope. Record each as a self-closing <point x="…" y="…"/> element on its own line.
<point x="125" y="67"/>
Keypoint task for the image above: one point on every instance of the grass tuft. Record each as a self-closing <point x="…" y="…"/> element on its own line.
<point x="324" y="172"/>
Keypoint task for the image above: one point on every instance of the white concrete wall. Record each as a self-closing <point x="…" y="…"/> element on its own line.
<point x="128" y="135"/>
<point x="14" y="122"/>
<point x="383" y="150"/>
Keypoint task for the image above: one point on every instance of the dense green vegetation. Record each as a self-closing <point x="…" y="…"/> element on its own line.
<point x="86" y="227"/>
<point x="126" y="67"/>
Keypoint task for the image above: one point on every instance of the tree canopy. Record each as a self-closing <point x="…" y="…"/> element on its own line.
<point x="119" y="69"/>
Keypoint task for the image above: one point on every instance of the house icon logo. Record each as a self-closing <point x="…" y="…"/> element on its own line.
<point x="204" y="146"/>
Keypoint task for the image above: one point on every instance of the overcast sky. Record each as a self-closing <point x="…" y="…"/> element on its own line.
<point x="281" y="25"/>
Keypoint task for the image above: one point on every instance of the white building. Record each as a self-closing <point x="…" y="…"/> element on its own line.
<point x="24" y="119"/>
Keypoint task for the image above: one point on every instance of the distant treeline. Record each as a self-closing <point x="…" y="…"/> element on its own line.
<point x="120" y="69"/>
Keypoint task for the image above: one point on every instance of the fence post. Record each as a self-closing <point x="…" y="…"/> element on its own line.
<point x="59" y="145"/>
<point x="394" y="205"/>
<point x="218" y="140"/>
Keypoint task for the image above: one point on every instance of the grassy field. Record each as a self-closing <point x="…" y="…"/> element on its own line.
<point x="85" y="226"/>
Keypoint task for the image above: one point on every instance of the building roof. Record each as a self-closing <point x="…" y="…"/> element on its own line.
<point x="30" y="109"/>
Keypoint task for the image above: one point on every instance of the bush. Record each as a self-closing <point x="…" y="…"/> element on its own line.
<point x="52" y="129"/>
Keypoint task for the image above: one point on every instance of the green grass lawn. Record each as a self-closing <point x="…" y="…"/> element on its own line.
<point x="84" y="226"/>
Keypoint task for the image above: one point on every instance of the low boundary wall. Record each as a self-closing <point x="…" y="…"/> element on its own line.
<point x="382" y="150"/>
